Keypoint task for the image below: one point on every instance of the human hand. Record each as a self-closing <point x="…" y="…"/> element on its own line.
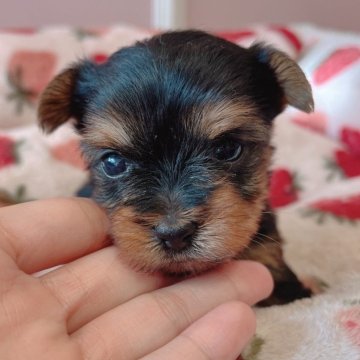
<point x="95" y="307"/>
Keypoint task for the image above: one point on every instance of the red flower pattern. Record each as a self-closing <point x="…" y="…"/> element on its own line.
<point x="99" y="58"/>
<point x="283" y="188"/>
<point x="28" y="74"/>
<point x="7" y="151"/>
<point x="348" y="208"/>
<point x="348" y="160"/>
<point x="335" y="64"/>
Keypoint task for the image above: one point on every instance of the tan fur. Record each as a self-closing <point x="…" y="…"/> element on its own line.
<point x="232" y="219"/>
<point x="132" y="236"/>
<point x="223" y="116"/>
<point x="107" y="131"/>
<point x="54" y="108"/>
<point x="215" y="119"/>
<point x="227" y="223"/>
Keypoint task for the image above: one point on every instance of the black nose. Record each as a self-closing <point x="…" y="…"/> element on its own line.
<point x="175" y="238"/>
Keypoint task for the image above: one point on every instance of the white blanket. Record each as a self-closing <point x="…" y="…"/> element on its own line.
<point x="315" y="187"/>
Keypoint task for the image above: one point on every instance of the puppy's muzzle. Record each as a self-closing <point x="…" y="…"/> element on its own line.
<point x="175" y="238"/>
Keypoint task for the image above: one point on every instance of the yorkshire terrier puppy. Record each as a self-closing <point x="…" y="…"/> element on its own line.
<point x="176" y="131"/>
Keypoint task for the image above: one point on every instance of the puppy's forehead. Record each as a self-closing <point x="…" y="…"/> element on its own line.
<point x="114" y="129"/>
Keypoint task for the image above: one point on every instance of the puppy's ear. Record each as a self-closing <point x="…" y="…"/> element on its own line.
<point x="66" y="96"/>
<point x="55" y="105"/>
<point x="290" y="77"/>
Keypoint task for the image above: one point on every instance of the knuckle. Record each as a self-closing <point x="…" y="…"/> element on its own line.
<point x="174" y="307"/>
<point x="202" y="352"/>
<point x="66" y="287"/>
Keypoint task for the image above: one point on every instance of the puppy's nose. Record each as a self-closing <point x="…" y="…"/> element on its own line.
<point x="175" y="238"/>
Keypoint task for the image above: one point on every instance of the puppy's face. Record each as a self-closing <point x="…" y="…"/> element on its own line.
<point x="176" y="132"/>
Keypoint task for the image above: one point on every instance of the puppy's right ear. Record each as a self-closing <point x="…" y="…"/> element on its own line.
<point x="55" y="105"/>
<point x="66" y="96"/>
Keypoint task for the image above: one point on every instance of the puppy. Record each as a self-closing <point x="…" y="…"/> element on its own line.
<point x="176" y="131"/>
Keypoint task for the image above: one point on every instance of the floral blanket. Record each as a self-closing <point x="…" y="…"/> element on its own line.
<point x="315" y="184"/>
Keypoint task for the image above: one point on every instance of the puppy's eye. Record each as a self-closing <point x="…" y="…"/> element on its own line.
<point x="113" y="164"/>
<point x="229" y="150"/>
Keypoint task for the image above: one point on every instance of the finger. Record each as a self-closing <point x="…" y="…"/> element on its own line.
<point x="42" y="234"/>
<point x="96" y="283"/>
<point x="158" y="317"/>
<point x="220" y="334"/>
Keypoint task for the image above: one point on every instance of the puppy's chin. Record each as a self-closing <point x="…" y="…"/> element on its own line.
<point x="189" y="262"/>
<point x="178" y="269"/>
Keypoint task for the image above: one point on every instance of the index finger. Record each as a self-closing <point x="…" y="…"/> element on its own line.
<point x="41" y="234"/>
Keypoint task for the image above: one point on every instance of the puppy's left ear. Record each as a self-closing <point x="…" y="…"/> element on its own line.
<point x="290" y="77"/>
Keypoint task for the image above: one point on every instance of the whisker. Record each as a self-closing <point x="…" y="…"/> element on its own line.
<point x="268" y="212"/>
<point x="254" y="241"/>
<point x="269" y="237"/>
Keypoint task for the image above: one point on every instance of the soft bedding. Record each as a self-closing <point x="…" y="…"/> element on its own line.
<point x="314" y="189"/>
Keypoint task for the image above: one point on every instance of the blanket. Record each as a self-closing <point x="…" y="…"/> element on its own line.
<point x="314" y="188"/>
